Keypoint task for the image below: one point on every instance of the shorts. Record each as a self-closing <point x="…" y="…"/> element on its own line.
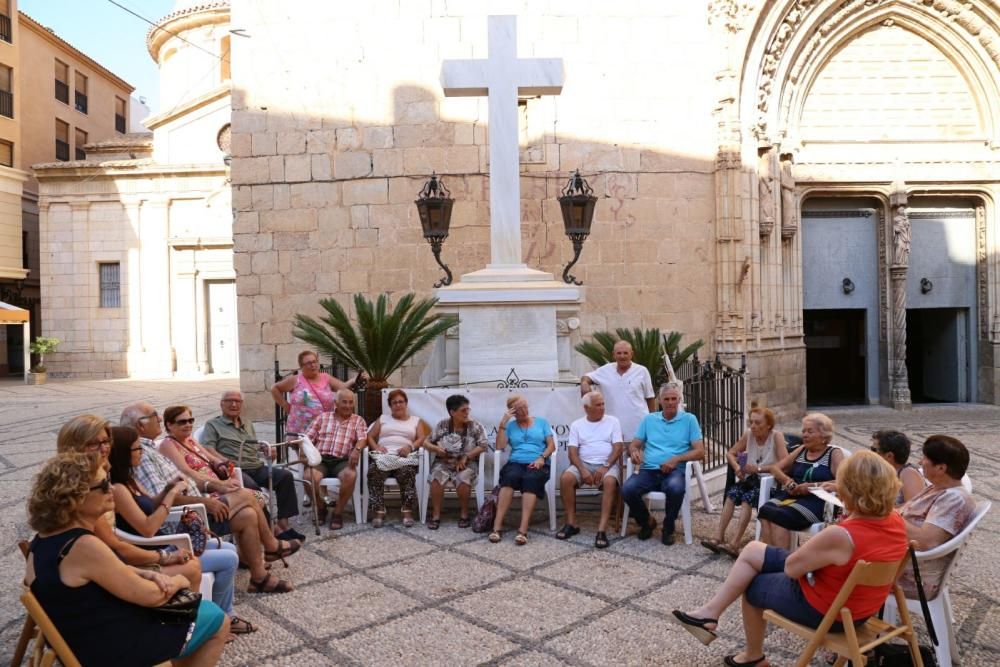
<point x="208" y="622"/>
<point x="773" y="589"/>
<point x="613" y="471"/>
<point x="332" y="466"/>
<point x="520" y="478"/>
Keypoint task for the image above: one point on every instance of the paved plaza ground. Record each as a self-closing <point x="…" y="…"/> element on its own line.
<point x="397" y="596"/>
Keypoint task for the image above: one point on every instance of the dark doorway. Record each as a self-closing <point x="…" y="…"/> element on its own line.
<point x="835" y="356"/>
<point x="937" y="359"/>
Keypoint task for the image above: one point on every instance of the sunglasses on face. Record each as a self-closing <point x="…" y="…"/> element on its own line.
<point x="104" y="486"/>
<point x="184" y="422"/>
<point x="94" y="445"/>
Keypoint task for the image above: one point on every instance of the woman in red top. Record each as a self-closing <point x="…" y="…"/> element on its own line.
<point x="801" y="586"/>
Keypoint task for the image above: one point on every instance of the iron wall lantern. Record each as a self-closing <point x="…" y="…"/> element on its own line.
<point x="577" y="203"/>
<point x="434" y="205"/>
<point x="847" y="285"/>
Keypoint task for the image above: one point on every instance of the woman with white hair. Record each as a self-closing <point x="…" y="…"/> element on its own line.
<point x="794" y="507"/>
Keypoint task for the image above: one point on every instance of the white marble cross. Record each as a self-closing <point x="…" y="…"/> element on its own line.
<point x="502" y="77"/>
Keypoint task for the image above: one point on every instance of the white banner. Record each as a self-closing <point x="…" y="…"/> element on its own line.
<point x="560" y="406"/>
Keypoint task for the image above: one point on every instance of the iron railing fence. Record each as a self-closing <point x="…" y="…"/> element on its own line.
<point x="716" y="394"/>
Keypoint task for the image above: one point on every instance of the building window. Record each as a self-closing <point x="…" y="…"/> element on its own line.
<point x="62" y="140"/>
<point x="6" y="91"/>
<point x="81" y="141"/>
<point x="120" y="115"/>
<point x="5" y="31"/>
<point x="62" y="82"/>
<point x="80" y="93"/>
<point x="111" y="291"/>
<point x="6" y="153"/>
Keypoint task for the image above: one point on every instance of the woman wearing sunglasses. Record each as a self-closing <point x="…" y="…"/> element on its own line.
<point x="99" y="604"/>
<point x="90" y="434"/>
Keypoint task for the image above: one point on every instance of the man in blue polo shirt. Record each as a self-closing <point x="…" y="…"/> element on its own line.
<point x="663" y="443"/>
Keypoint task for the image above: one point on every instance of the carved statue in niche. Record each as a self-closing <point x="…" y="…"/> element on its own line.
<point x="789" y="205"/>
<point x="900" y="237"/>
<point x="765" y="191"/>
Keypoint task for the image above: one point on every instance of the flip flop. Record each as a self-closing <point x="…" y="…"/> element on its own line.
<point x="711" y="545"/>
<point x="696" y="626"/>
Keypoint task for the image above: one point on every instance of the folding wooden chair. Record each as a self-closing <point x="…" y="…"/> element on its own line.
<point x="853" y="642"/>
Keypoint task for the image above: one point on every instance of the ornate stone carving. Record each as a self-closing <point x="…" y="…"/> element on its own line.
<point x="964" y="14"/>
<point x="765" y="192"/>
<point x="730" y="14"/>
<point x="897" y="274"/>
<point x="452" y="332"/>
<point x="982" y="274"/>
<point x="789" y="200"/>
<point x="883" y="266"/>
<point x="728" y="158"/>
<point x="900" y="226"/>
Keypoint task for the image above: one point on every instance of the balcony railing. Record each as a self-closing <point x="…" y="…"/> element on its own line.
<point x="81" y="102"/>
<point x="62" y="91"/>
<point x="120" y="123"/>
<point x="62" y="150"/>
<point x="6" y="103"/>
<point x="5" y="32"/>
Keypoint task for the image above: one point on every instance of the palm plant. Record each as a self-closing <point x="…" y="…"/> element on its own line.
<point x="647" y="346"/>
<point x="380" y="343"/>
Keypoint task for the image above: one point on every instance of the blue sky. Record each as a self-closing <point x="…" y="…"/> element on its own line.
<point x="108" y="34"/>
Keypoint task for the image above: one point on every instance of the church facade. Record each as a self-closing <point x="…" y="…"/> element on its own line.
<point x="809" y="183"/>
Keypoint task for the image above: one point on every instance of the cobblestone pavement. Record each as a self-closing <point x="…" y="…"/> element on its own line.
<point x="415" y="596"/>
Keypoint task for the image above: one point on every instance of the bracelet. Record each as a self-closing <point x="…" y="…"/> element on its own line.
<point x="161" y="557"/>
<point x="164" y="506"/>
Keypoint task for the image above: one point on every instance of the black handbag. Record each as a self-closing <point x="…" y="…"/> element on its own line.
<point x="181" y="609"/>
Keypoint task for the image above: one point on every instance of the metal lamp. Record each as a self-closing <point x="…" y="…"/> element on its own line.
<point x="434" y="205"/>
<point x="577" y="203"/>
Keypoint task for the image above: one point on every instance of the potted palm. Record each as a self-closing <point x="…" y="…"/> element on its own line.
<point x="41" y="346"/>
<point x="648" y="347"/>
<point x="382" y="340"/>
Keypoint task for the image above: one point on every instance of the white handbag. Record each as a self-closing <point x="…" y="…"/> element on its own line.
<point x="309" y="450"/>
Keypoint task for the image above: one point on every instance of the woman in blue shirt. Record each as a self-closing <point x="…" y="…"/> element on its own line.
<point x="527" y="470"/>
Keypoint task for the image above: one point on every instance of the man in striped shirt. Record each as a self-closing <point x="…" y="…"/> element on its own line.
<point x="339" y="436"/>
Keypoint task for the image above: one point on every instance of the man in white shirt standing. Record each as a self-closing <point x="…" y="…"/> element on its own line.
<point x="595" y="447"/>
<point x="626" y="386"/>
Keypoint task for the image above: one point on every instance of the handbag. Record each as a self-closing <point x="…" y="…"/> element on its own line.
<point x="483" y="521"/>
<point x="181" y="609"/>
<point x="196" y="529"/>
<point x="223" y="469"/>
<point x="308" y="449"/>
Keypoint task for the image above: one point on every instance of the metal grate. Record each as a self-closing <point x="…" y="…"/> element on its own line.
<point x="111" y="294"/>
<point x="5" y="25"/>
<point x="6" y="103"/>
<point x="62" y="91"/>
<point x="716" y="394"/>
<point x="120" y="123"/>
<point x="62" y="150"/>
<point x="81" y="101"/>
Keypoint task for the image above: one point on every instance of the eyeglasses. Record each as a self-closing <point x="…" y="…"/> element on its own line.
<point x="310" y="363"/>
<point x="155" y="416"/>
<point x="94" y="445"/>
<point x="104" y="486"/>
<point x="184" y="422"/>
<point x="232" y="400"/>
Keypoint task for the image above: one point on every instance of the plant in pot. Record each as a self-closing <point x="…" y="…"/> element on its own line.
<point x="41" y="346"/>
<point x="648" y="347"/>
<point x="379" y="343"/>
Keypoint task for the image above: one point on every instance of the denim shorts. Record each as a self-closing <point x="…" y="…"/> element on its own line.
<point x="520" y="478"/>
<point x="775" y="590"/>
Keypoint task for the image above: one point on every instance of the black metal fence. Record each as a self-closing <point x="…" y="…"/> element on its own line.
<point x="716" y="394"/>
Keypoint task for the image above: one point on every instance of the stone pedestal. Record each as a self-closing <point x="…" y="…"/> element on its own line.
<point x="509" y="317"/>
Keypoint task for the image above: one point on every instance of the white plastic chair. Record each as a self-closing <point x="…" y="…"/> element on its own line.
<point x="658" y="500"/>
<point x="332" y="486"/>
<point x="424" y="489"/>
<point x="940" y="604"/>
<point x="392" y="482"/>
<point x="500" y="457"/>
<point x="178" y="540"/>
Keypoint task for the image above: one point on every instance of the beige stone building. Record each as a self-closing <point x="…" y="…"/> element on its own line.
<point x="137" y="238"/>
<point x="811" y="183"/>
<point x="54" y="100"/>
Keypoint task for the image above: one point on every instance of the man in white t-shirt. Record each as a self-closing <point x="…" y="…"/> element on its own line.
<point x="626" y="386"/>
<point x="595" y="447"/>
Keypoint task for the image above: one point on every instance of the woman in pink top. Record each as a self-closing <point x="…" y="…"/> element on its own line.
<point x="310" y="393"/>
<point x="392" y="445"/>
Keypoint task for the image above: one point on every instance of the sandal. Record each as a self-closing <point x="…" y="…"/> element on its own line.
<point x="601" y="540"/>
<point x="433" y="524"/>
<point x="566" y="532"/>
<point x="283" y="552"/>
<point x="464" y="522"/>
<point x="269" y="584"/>
<point x="496" y="536"/>
<point x="732" y="662"/>
<point x="521" y="539"/>
<point x="408" y="519"/>
<point x="336" y="521"/>
<point x="696" y="626"/>
<point x="711" y="545"/>
<point x="378" y="520"/>
<point x="245" y="629"/>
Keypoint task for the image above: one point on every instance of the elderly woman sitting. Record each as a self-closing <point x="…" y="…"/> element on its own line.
<point x="99" y="604"/>
<point x="939" y="512"/>
<point x="527" y="471"/>
<point x="802" y="586"/>
<point x="894" y="447"/>
<point x="457" y="443"/>
<point x="814" y="463"/>
<point x="393" y="442"/>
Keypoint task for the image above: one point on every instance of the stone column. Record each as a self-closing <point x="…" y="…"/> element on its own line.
<point x="897" y="278"/>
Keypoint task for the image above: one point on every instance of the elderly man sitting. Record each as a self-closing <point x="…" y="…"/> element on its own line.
<point x="233" y="437"/>
<point x="340" y="436"/>
<point x="663" y="443"/>
<point x="595" y="446"/>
